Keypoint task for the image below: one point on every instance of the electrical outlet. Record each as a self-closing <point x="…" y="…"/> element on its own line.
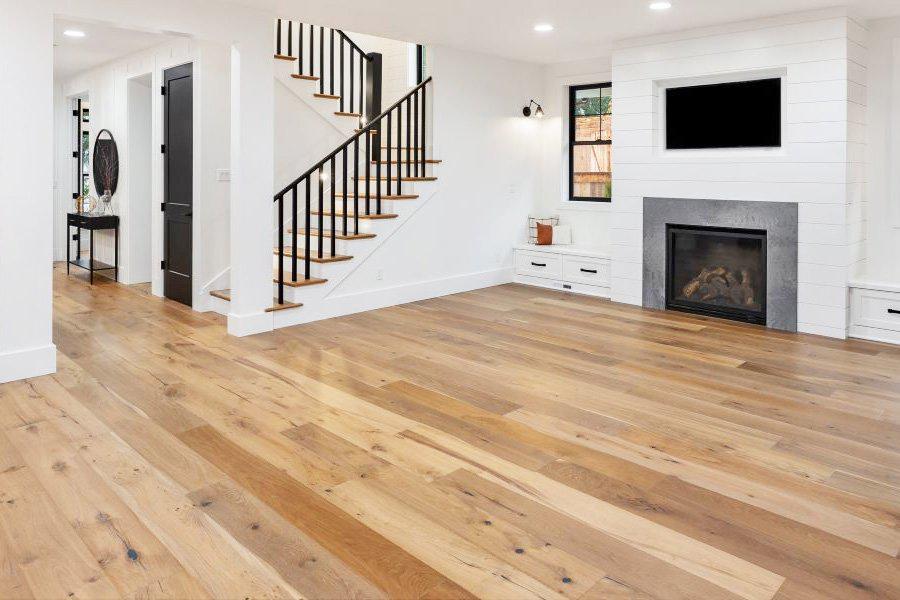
<point x="379" y="275"/>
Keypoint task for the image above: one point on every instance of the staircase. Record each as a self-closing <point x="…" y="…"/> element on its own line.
<point x="343" y="207"/>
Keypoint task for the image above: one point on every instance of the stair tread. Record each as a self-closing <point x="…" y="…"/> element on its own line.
<point x="301" y="254"/>
<point x="285" y="57"/>
<point x="304" y="77"/>
<point x="361" y="215"/>
<point x="326" y="96"/>
<point x="283" y="306"/>
<point x="299" y="282"/>
<point x="226" y="295"/>
<point x="428" y="161"/>
<point x="404" y="178"/>
<point x="384" y="197"/>
<point x="338" y="234"/>
<point x="347" y="114"/>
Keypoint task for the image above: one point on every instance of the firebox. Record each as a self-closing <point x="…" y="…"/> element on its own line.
<point x="716" y="271"/>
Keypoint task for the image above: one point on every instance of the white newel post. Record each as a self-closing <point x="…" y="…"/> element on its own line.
<point x="26" y="196"/>
<point x="252" y="185"/>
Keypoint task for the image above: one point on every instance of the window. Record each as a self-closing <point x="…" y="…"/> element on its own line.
<point x="590" y="142"/>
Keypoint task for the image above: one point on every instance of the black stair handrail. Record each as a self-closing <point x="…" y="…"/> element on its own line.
<point x="413" y="107"/>
<point x="346" y="80"/>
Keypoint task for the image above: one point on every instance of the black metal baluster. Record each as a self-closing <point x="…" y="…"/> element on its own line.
<point x="290" y="33"/>
<point x="281" y="249"/>
<point x="278" y="38"/>
<point x="344" y="216"/>
<point x="387" y="164"/>
<point x="362" y="85"/>
<point x="369" y="139"/>
<point x="312" y="50"/>
<point x="408" y="130"/>
<point x="306" y="250"/>
<point x="294" y="233"/>
<point x="300" y="49"/>
<point x="416" y="130"/>
<point x="424" y="137"/>
<point x="355" y="185"/>
<point x="399" y="145"/>
<point x="331" y="62"/>
<point x="352" y="79"/>
<point x="341" y="71"/>
<point x="321" y="60"/>
<point x="321" y="211"/>
<point x="333" y="210"/>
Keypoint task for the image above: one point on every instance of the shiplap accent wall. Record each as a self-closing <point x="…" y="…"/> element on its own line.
<point x="821" y="57"/>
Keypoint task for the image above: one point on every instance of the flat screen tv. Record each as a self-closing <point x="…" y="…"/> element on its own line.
<point x="742" y="114"/>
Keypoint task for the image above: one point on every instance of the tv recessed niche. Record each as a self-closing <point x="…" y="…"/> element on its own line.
<point x="740" y="114"/>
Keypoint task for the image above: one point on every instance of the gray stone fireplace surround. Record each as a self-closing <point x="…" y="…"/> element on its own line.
<point x="778" y="219"/>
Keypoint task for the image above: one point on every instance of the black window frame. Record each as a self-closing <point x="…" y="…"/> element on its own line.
<point x="573" y="89"/>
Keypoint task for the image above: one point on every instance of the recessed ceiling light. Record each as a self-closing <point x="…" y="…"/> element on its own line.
<point x="660" y="5"/>
<point x="73" y="33"/>
<point x="543" y="27"/>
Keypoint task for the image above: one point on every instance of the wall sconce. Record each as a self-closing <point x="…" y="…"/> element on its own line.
<point x="538" y="112"/>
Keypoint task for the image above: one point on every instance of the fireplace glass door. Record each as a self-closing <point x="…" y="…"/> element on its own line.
<point x="716" y="271"/>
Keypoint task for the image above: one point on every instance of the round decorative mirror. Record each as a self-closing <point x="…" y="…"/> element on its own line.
<point x="106" y="163"/>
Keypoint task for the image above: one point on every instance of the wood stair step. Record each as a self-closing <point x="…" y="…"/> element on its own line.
<point x="347" y="114"/>
<point x="305" y="77"/>
<point x="371" y="131"/>
<point x="326" y="96"/>
<point x="300" y="282"/>
<point x="361" y="216"/>
<point x="337" y="234"/>
<point x="283" y="306"/>
<point x="285" y="57"/>
<point x="428" y="161"/>
<point x="301" y="254"/>
<point x="226" y="295"/>
<point x="384" y="197"/>
<point x="384" y="178"/>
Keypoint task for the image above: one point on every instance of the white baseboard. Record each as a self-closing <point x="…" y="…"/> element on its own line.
<point x="250" y="324"/>
<point x="337" y="306"/>
<point x="23" y="364"/>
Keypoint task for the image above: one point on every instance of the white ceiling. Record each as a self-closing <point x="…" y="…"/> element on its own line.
<point x="101" y="44"/>
<point x="583" y="28"/>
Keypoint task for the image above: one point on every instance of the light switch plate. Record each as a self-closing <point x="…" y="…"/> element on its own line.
<point x="223" y="174"/>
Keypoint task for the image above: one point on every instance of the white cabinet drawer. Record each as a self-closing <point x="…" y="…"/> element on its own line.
<point x="539" y="264"/>
<point x="586" y="270"/>
<point x="874" y="308"/>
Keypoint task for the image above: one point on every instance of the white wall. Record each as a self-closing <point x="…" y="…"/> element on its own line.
<point x="138" y="255"/>
<point x="822" y="59"/>
<point x="26" y="201"/>
<point x="108" y="88"/>
<point x="883" y="153"/>
<point x="589" y="220"/>
<point x="463" y="236"/>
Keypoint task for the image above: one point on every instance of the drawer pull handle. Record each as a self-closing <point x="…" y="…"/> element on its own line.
<point x="893" y="311"/>
<point x="594" y="271"/>
<point x="534" y="264"/>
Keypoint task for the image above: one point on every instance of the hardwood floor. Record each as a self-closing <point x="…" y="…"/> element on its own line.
<point x="504" y="443"/>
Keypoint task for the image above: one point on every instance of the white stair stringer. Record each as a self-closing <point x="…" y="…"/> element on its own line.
<point x="306" y="89"/>
<point x="325" y="301"/>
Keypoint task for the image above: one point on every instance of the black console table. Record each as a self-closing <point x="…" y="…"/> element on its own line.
<point x="92" y="223"/>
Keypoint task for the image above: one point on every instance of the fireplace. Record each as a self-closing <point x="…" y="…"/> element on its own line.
<point x="716" y="271"/>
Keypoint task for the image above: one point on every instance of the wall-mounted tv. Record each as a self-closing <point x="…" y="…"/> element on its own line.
<point x="742" y="114"/>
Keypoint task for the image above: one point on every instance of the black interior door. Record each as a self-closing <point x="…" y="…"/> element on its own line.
<point x="178" y="161"/>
